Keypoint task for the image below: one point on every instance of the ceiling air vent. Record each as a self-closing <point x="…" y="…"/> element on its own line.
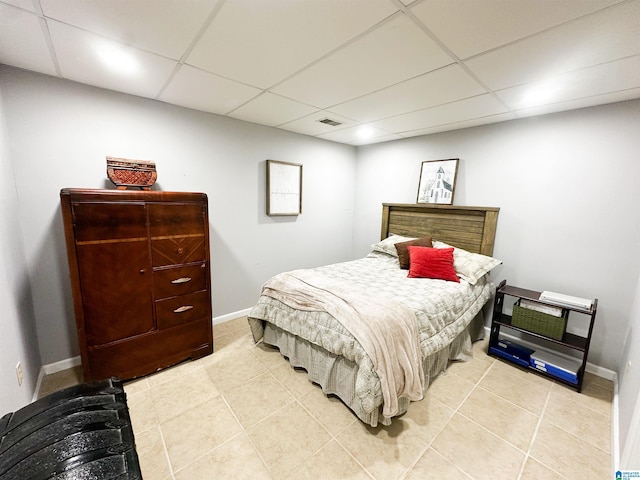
<point x="328" y="121"/>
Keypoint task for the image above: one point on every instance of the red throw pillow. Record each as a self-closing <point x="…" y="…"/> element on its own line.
<point x="428" y="262"/>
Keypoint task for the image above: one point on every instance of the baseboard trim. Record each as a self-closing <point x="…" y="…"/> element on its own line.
<point x="602" y="372"/>
<point x="55" y="367"/>
<point x="231" y="316"/>
<point x="36" y="390"/>
<point x="61" y="365"/>
<point x="68" y="363"/>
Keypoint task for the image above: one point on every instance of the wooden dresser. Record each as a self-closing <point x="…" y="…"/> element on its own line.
<point x="139" y="265"/>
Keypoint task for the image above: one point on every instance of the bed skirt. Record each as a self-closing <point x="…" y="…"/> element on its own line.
<point x="337" y="375"/>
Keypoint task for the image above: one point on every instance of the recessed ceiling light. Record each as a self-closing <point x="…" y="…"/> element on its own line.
<point x="117" y="58"/>
<point x="365" y="132"/>
<point x="540" y="93"/>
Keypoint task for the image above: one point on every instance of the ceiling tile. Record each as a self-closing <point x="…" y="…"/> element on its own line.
<point x="610" y="77"/>
<point x="471" y="27"/>
<point x="621" y="96"/>
<point x="470" y="108"/>
<point x="435" y="88"/>
<point x="353" y="136"/>
<point x="609" y="35"/>
<point x="272" y="110"/>
<point x="385" y="138"/>
<point x="261" y="43"/>
<point x="394" y="52"/>
<point x="204" y="91"/>
<point x="78" y="54"/>
<point x="501" y="117"/>
<point x="22" y="42"/>
<point x="165" y="27"/>
<point x="311" y="125"/>
<point x="25" y="4"/>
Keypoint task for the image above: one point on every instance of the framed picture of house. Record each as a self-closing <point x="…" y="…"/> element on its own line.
<point x="284" y="188"/>
<point x="438" y="181"/>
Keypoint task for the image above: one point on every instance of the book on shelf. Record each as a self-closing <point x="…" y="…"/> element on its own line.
<point x="539" y="307"/>
<point x="566" y="300"/>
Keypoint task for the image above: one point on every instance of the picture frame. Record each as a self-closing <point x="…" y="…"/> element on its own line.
<point x="438" y="181"/>
<point x="284" y="188"/>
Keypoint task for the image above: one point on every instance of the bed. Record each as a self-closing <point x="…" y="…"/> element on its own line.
<point x="375" y="334"/>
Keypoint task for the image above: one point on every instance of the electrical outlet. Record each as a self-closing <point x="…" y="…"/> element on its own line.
<point x="628" y="369"/>
<point x="19" y="373"/>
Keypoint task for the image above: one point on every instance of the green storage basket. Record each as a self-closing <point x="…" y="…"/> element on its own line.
<point x="539" y="322"/>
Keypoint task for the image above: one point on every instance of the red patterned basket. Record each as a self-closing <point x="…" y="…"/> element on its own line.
<point x="125" y="173"/>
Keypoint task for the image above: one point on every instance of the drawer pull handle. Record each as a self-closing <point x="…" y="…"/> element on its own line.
<point x="183" y="308"/>
<point x="181" y="280"/>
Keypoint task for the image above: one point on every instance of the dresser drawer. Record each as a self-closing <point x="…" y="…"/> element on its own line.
<point x="177" y="249"/>
<point x="170" y="218"/>
<point x="170" y="282"/>
<point x="94" y="221"/>
<point x="183" y="309"/>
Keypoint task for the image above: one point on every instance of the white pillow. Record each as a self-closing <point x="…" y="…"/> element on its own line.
<point x="470" y="266"/>
<point x="388" y="245"/>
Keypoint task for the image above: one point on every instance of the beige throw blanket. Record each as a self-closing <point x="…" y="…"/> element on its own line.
<point x="387" y="330"/>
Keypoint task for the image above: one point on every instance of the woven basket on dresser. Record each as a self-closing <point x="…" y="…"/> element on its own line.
<point x="125" y="173"/>
<point x="539" y="322"/>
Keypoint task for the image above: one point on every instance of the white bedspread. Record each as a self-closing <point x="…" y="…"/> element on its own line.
<point x="386" y="329"/>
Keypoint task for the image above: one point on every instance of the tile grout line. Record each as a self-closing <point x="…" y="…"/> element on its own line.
<point x="243" y="430"/>
<point x="333" y="438"/>
<point x="166" y="453"/>
<point x="475" y="385"/>
<point x="354" y="458"/>
<point x="294" y="401"/>
<point x="533" y="439"/>
<point x="331" y="435"/>
<point x="223" y="398"/>
<point x="526" y="454"/>
<point x="593" y="412"/>
<point x="172" y="469"/>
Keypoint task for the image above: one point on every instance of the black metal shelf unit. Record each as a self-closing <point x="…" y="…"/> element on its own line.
<point x="571" y="341"/>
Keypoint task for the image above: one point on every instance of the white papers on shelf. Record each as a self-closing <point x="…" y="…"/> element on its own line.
<point x="538" y="307"/>
<point x="565" y="300"/>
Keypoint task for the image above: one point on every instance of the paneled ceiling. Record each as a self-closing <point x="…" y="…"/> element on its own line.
<point x="400" y="68"/>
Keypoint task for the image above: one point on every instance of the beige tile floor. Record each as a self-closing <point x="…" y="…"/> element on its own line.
<point x="243" y="412"/>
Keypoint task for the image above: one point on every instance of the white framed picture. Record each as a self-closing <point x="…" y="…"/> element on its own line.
<point x="438" y="181"/>
<point x="284" y="188"/>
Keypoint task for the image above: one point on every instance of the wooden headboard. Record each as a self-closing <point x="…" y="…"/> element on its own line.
<point x="471" y="228"/>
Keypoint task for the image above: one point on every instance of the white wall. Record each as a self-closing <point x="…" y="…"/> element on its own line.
<point x="567" y="188"/>
<point x="59" y="134"/>
<point x="18" y="340"/>
<point x="629" y="391"/>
